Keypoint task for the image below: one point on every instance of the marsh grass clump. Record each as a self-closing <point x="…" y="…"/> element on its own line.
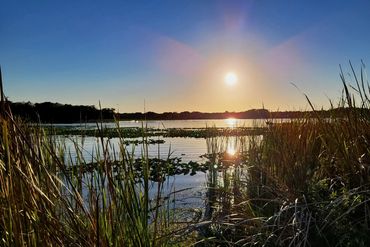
<point x="306" y="181"/>
<point x="319" y="171"/>
<point x="43" y="202"/>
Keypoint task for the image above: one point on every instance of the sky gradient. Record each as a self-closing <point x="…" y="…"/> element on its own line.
<point x="174" y="54"/>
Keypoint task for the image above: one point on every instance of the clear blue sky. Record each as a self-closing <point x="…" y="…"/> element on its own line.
<point x="175" y="54"/>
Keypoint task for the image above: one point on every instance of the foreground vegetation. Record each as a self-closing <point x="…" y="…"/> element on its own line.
<point x="303" y="183"/>
<point x="307" y="182"/>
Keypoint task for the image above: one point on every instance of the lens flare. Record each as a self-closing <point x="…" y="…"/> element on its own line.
<point x="231" y="79"/>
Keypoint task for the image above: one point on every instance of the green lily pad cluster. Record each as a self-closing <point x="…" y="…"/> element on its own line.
<point x="159" y="169"/>
<point x="135" y="132"/>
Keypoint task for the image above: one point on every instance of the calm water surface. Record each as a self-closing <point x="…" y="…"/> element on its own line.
<point x="203" y="123"/>
<point x="192" y="188"/>
<point x="188" y="149"/>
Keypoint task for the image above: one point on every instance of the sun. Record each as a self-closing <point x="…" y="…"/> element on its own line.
<point x="231" y="79"/>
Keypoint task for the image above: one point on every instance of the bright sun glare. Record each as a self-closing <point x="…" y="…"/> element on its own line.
<point x="231" y="122"/>
<point x="231" y="79"/>
<point x="231" y="149"/>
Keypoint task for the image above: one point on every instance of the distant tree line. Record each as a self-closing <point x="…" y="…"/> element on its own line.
<point x="250" y="114"/>
<point x="48" y="112"/>
<point x="253" y="114"/>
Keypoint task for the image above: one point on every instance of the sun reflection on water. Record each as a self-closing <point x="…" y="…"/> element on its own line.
<point x="231" y="149"/>
<point x="231" y="122"/>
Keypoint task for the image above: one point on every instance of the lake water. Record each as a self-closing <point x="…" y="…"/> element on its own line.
<point x="203" y="123"/>
<point x="188" y="149"/>
<point x="193" y="188"/>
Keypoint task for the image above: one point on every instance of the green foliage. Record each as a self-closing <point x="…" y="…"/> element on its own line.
<point x="134" y="132"/>
<point x="307" y="180"/>
<point x="45" y="202"/>
<point x="59" y="113"/>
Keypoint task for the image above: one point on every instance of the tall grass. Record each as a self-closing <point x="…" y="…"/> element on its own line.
<point x="302" y="183"/>
<point x="306" y="181"/>
<point x="43" y="203"/>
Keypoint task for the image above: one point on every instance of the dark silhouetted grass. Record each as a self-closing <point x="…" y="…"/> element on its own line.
<point x="306" y="182"/>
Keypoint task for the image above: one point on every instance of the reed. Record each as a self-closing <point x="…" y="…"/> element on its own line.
<point x="44" y="202"/>
<point x="296" y="183"/>
<point x="306" y="181"/>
